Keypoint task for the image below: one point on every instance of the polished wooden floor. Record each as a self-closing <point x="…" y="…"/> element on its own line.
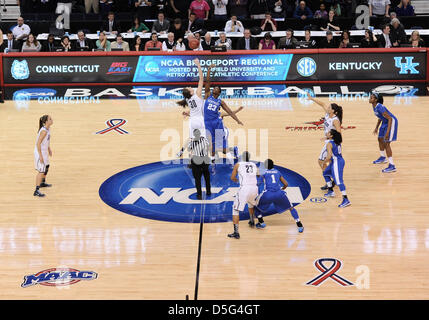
<point x="386" y="230"/>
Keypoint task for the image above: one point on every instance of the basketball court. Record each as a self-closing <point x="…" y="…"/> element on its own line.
<point x="381" y="240"/>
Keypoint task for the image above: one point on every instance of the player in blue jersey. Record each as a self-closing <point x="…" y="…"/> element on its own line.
<point x="273" y="194"/>
<point x="388" y="131"/>
<point x="333" y="166"/>
<point x="212" y="120"/>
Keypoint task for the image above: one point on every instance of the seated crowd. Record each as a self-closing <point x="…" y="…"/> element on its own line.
<point x="184" y="21"/>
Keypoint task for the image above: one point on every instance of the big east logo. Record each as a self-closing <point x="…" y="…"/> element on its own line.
<point x="58" y="277"/>
<point x="119" y="68"/>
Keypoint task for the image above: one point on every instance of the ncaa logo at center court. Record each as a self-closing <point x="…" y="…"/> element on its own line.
<point x="167" y="192"/>
<point x="306" y="66"/>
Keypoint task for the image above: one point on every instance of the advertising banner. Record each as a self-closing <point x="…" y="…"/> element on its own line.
<point x="64" y="69"/>
<point x="229" y="68"/>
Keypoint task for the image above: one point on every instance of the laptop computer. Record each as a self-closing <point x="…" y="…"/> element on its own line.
<point x="117" y="49"/>
<point x="153" y="49"/>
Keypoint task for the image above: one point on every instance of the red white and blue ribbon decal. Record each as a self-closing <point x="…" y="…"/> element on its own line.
<point x="328" y="273"/>
<point x="114" y="124"/>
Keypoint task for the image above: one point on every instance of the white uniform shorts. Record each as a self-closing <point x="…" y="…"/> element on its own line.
<point x="38" y="165"/>
<point x="196" y="123"/>
<point x="324" y="152"/>
<point x="245" y="195"/>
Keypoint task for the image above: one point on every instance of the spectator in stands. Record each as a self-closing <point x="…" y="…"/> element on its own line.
<point x="180" y="8"/>
<point x="224" y="41"/>
<point x="385" y="39"/>
<point x="369" y="41"/>
<point x="10" y="43"/>
<point x="329" y="41"/>
<point x="398" y="32"/>
<point x="46" y="6"/>
<point x="178" y="29"/>
<point x="331" y="23"/>
<point x="160" y="5"/>
<point x="188" y="39"/>
<point x="405" y="9"/>
<point x="201" y="9"/>
<point x="238" y="8"/>
<point x="153" y="42"/>
<point x="379" y="8"/>
<point x="208" y="42"/>
<point x="219" y="13"/>
<point x="349" y="7"/>
<point x="257" y="8"/>
<point x="234" y="25"/>
<point x="415" y="40"/>
<point x="112" y="25"/>
<point x="65" y="44"/>
<point x="21" y="30"/>
<point x="94" y="4"/>
<point x="170" y="43"/>
<point x="64" y="8"/>
<point x="83" y="43"/>
<point x="120" y="44"/>
<point x="345" y="39"/>
<point x="267" y="42"/>
<point x="105" y="7"/>
<point x="194" y="24"/>
<point x="303" y="12"/>
<point x="289" y="8"/>
<point x="247" y="42"/>
<point x="161" y="25"/>
<point x="268" y="24"/>
<point x="144" y="8"/>
<point x="138" y="26"/>
<point x="138" y="44"/>
<point x="277" y="8"/>
<point x="102" y="43"/>
<point x="321" y="13"/>
<point x="312" y="43"/>
<point x="336" y="7"/>
<point x="288" y="42"/>
<point x="31" y="44"/>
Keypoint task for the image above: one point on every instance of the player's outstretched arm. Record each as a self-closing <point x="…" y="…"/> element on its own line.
<point x="208" y="82"/>
<point x="320" y="103"/>
<point x="228" y="110"/>
<point x="200" y="78"/>
<point x="224" y="114"/>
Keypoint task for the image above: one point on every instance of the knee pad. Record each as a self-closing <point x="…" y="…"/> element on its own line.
<point x="47" y="169"/>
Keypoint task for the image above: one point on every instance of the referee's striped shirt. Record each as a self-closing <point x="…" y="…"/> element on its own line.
<point x="199" y="148"/>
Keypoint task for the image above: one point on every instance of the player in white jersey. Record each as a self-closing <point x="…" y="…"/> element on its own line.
<point x="193" y="99"/>
<point x="42" y="152"/>
<point x="247" y="177"/>
<point x="332" y="120"/>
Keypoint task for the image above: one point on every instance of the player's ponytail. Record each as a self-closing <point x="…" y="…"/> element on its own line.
<point x="42" y="121"/>
<point x="182" y="103"/>
<point x="336" y="136"/>
<point x="186" y="93"/>
<point x="338" y="111"/>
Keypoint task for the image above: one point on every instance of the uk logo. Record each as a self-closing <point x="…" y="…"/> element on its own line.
<point x="58" y="277"/>
<point x="20" y="70"/>
<point x="166" y="192"/>
<point x="407" y="67"/>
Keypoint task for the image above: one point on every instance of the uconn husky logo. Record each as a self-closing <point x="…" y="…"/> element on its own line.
<point x="19" y="70"/>
<point x="167" y="192"/>
<point x="407" y="67"/>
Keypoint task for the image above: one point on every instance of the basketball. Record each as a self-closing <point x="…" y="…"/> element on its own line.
<point x="194" y="44"/>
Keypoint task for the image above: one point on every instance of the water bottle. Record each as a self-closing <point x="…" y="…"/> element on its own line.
<point x="98" y="33"/>
<point x="215" y="32"/>
<point x="135" y="33"/>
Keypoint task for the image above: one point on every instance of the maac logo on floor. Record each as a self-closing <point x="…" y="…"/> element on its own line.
<point x="58" y="277"/>
<point x="167" y="192"/>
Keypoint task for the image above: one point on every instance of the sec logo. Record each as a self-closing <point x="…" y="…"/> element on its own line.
<point x="306" y="67"/>
<point x="167" y="192"/>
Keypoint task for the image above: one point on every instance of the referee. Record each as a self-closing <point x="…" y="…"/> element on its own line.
<point x="199" y="148"/>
